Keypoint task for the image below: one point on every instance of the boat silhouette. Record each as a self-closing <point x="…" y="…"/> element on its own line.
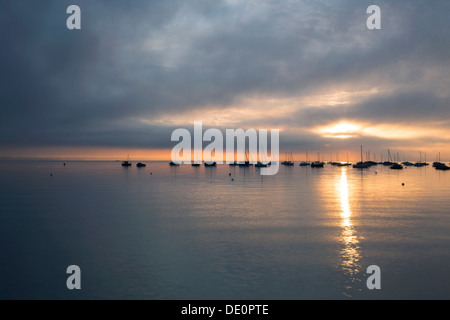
<point x="210" y="164"/>
<point x="289" y="160"/>
<point x="306" y="162"/>
<point x="317" y="164"/>
<point x="126" y="163"/>
<point x="246" y="163"/>
<point x="361" y="164"/>
<point x="420" y="163"/>
<point x="396" y="166"/>
<point x="343" y="164"/>
<point x="443" y="167"/>
<point x="438" y="163"/>
<point x="263" y="162"/>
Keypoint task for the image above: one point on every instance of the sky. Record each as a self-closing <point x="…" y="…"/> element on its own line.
<point x="137" y="70"/>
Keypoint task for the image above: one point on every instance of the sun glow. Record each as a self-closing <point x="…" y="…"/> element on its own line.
<point x="342" y="130"/>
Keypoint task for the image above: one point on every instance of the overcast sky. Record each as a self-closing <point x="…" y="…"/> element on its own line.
<point x="139" y="69"/>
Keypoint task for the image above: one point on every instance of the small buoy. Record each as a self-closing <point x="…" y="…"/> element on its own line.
<point x="51" y="174"/>
<point x="232" y="179"/>
<point x="376" y="172"/>
<point x="229" y="174"/>
<point x="151" y="173"/>
<point x="403" y="183"/>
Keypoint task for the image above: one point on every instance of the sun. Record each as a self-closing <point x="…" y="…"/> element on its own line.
<point x="341" y="130"/>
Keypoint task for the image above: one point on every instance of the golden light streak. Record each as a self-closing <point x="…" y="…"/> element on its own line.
<point x="350" y="254"/>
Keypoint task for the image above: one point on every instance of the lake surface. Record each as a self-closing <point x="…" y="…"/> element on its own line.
<point x="185" y="232"/>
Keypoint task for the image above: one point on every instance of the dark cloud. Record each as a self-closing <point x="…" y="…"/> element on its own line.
<point x="154" y="59"/>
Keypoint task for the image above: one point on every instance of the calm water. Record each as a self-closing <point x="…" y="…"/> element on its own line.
<point x="193" y="233"/>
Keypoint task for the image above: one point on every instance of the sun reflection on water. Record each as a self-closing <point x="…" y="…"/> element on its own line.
<point x="350" y="255"/>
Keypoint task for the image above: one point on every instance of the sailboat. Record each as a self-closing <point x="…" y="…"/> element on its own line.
<point x="335" y="163"/>
<point x="317" y="164"/>
<point x="344" y="164"/>
<point x="174" y="164"/>
<point x="289" y="160"/>
<point x="370" y="162"/>
<point x="126" y="163"/>
<point x="305" y="163"/>
<point x="389" y="162"/>
<point x="210" y="163"/>
<point x="361" y="164"/>
<point x="396" y="166"/>
<point x="259" y="164"/>
<point x="263" y="161"/>
<point x="438" y="163"/>
<point x="262" y="164"/>
<point x="246" y="162"/>
<point x="420" y="163"/>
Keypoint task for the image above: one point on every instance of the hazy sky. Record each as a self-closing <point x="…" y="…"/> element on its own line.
<point x="139" y="69"/>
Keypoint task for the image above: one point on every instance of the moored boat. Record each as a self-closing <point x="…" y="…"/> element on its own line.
<point x="396" y="166"/>
<point x="126" y="163"/>
<point x="361" y="164"/>
<point x="317" y="164"/>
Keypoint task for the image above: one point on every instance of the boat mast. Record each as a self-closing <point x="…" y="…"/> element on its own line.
<point x="361" y="155"/>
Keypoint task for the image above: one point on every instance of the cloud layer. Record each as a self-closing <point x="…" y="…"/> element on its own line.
<point x="136" y="66"/>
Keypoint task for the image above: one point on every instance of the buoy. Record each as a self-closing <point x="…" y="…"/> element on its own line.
<point x="232" y="179"/>
<point x="229" y="174"/>
<point x="150" y="173"/>
<point x="403" y="183"/>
